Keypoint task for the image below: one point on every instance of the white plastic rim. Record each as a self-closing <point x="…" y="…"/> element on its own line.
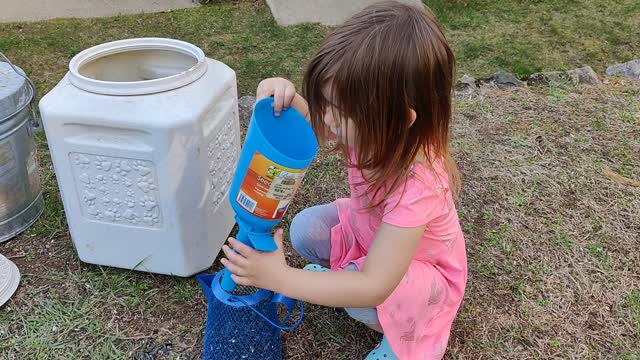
<point x="136" y="87"/>
<point x="9" y="279"/>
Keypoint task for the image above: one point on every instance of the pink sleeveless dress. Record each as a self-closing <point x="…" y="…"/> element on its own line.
<point x="418" y="315"/>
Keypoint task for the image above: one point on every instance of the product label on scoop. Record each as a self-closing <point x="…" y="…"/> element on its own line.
<point x="268" y="188"/>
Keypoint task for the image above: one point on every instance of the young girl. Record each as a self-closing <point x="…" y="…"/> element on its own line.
<point x="380" y="85"/>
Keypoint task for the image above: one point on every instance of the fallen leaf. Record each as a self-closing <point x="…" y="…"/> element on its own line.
<point x="611" y="175"/>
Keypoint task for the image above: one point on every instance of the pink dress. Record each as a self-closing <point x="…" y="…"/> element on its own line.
<point x="418" y="315"/>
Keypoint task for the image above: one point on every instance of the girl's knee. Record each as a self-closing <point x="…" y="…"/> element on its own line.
<point x="297" y="232"/>
<point x="311" y="234"/>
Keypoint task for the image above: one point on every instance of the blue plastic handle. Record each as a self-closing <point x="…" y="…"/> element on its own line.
<point x="210" y="285"/>
<point x="289" y="303"/>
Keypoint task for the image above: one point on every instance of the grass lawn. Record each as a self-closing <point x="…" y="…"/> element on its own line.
<point x="553" y="244"/>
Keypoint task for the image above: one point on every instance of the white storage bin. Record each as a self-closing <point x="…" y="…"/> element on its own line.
<point x="144" y="138"/>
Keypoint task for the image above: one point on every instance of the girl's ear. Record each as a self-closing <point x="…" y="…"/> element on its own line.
<point x="412" y="117"/>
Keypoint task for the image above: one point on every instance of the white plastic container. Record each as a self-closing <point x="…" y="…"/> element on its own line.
<point x="144" y="137"/>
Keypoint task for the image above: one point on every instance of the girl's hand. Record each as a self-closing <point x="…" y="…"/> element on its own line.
<point x="250" y="267"/>
<point x="282" y="90"/>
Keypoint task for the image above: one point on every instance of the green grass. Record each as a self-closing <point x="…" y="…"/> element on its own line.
<point x="72" y="315"/>
<point x="632" y="305"/>
<point x="530" y="36"/>
<point x="563" y="240"/>
<point x="517" y="36"/>
<point x="244" y="36"/>
<point x="520" y="199"/>
<point x="186" y="289"/>
<point x="487" y="269"/>
<point x="496" y="239"/>
<point x="56" y="325"/>
<point x="598" y="252"/>
<point x="59" y="325"/>
<point x="556" y="93"/>
<point x="518" y="140"/>
<point x="599" y="125"/>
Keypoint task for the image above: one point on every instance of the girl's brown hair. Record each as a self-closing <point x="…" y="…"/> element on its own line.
<point x="384" y="62"/>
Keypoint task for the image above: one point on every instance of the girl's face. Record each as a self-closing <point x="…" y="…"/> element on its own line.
<point x="342" y="130"/>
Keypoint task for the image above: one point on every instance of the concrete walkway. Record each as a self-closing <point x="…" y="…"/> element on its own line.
<point x="327" y="12"/>
<point x="32" y="10"/>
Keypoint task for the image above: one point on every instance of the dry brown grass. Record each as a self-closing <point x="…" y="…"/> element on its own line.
<point x="553" y="244"/>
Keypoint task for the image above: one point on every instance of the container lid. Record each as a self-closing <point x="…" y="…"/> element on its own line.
<point x="15" y="92"/>
<point x="137" y="66"/>
<point x="9" y="279"/>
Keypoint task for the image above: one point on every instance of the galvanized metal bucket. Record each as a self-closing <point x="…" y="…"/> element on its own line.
<point x="21" y="200"/>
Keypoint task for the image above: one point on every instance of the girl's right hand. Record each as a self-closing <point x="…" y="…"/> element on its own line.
<point x="282" y="90"/>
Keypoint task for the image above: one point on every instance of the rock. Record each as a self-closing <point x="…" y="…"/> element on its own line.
<point x="583" y="75"/>
<point x="245" y="109"/>
<point x="629" y="69"/>
<point x="586" y="75"/>
<point x="505" y="80"/>
<point x="553" y="78"/>
<point x="327" y="12"/>
<point x="466" y="85"/>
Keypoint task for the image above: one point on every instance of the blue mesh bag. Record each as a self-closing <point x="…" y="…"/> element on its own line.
<point x="246" y="323"/>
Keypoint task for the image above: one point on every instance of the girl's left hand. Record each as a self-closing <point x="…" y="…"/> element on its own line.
<point x="250" y="267"/>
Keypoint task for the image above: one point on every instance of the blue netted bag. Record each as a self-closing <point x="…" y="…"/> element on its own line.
<point x="245" y="324"/>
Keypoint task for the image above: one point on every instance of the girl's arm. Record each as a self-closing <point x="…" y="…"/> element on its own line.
<point x="386" y="263"/>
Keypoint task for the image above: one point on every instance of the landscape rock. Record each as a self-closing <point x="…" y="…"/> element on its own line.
<point x="629" y="69"/>
<point x="466" y="85"/>
<point x="553" y="78"/>
<point x="245" y="109"/>
<point x="583" y="75"/>
<point x="505" y="80"/>
<point x="586" y="75"/>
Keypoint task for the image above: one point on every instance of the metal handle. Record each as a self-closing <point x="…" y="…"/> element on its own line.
<point x="34" y="123"/>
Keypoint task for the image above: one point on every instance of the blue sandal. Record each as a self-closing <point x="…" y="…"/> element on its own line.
<point x="382" y="352"/>
<point x="317" y="268"/>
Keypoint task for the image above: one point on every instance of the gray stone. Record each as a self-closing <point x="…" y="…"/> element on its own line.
<point x="466" y="85"/>
<point x="245" y="109"/>
<point x="553" y="78"/>
<point x="327" y="12"/>
<point x="583" y="75"/>
<point x="629" y="69"/>
<point x="505" y="80"/>
<point x="13" y="10"/>
<point x="586" y="75"/>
